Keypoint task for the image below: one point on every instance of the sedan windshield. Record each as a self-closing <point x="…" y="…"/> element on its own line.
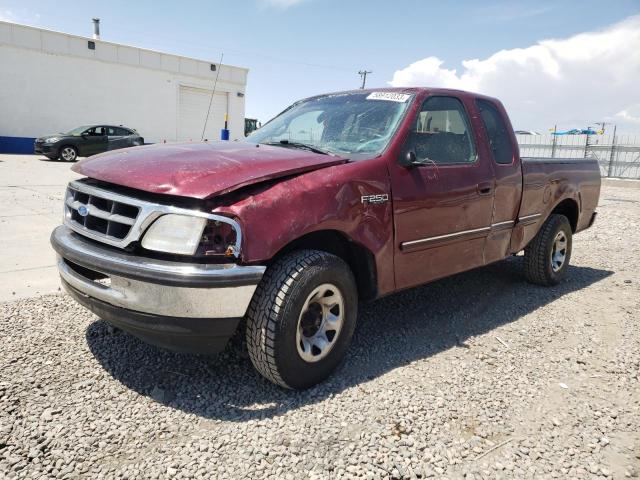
<point x="77" y="131"/>
<point x="346" y="124"/>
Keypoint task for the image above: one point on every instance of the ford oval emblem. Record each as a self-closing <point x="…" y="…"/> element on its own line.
<point x="83" y="210"/>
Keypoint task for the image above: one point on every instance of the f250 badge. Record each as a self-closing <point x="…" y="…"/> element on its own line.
<point x="375" y="199"/>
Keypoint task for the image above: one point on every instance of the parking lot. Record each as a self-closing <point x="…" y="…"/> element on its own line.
<point x="481" y="375"/>
<point x="31" y="189"/>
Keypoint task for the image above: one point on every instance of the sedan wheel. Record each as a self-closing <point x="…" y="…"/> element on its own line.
<point x="68" y="154"/>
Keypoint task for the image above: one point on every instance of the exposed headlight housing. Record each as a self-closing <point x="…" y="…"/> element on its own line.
<point x="52" y="140"/>
<point x="173" y="233"/>
<point x="218" y="239"/>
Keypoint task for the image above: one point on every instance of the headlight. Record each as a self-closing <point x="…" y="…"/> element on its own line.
<point x="52" y="140"/>
<point x="174" y="233"/>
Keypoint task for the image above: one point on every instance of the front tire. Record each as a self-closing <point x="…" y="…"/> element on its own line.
<point x="68" y="153"/>
<point x="546" y="258"/>
<point x="301" y="318"/>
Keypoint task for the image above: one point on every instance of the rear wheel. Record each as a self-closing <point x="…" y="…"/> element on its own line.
<point x="68" y="153"/>
<point x="546" y="258"/>
<point x="301" y="319"/>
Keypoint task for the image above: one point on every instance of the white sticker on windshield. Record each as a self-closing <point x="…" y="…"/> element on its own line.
<point x="389" y="96"/>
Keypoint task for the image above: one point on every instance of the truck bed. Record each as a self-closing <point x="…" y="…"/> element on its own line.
<point x="546" y="180"/>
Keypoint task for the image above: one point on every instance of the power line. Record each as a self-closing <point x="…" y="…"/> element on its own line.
<point x="363" y="74"/>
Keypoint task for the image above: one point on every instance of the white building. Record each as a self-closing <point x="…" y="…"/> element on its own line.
<point x="52" y="82"/>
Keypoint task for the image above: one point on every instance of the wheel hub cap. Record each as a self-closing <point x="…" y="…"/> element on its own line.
<point x="320" y="322"/>
<point x="67" y="154"/>
<point x="559" y="251"/>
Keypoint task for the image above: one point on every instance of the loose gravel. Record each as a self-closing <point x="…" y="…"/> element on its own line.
<point x="477" y="376"/>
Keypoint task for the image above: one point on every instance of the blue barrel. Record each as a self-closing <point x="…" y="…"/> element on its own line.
<point x="224" y="134"/>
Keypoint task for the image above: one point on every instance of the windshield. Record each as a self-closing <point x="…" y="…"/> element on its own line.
<point x="77" y="131"/>
<point x="349" y="124"/>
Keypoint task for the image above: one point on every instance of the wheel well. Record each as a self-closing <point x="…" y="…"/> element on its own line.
<point x="568" y="208"/>
<point x="358" y="257"/>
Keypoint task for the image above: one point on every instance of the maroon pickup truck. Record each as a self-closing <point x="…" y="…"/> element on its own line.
<point x="342" y="197"/>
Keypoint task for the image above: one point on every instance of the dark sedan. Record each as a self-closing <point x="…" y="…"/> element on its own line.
<point x="86" y="140"/>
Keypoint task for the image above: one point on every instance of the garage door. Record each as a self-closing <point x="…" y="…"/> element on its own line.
<point x="192" y="110"/>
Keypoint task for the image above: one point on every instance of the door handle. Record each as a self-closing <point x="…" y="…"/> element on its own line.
<point x="485" y="188"/>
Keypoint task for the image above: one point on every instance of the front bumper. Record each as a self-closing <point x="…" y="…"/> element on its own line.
<point x="189" y="307"/>
<point x="44" y="148"/>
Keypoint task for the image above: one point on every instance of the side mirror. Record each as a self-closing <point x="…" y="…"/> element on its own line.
<point x="408" y="159"/>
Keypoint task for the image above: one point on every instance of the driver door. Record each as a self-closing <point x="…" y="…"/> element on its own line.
<point x="94" y="140"/>
<point x="443" y="202"/>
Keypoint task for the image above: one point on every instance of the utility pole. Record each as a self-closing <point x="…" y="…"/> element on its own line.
<point x="363" y="74"/>
<point x="603" y="125"/>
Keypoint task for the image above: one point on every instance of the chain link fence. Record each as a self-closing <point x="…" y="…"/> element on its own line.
<point x="618" y="155"/>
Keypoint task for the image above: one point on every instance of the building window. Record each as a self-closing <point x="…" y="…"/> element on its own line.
<point x="213" y="67"/>
<point x="91" y="45"/>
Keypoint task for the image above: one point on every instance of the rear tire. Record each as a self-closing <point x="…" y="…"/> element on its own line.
<point x="301" y="318"/>
<point x="546" y="258"/>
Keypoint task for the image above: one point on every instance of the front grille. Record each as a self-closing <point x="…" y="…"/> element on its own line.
<point x="99" y="215"/>
<point x="119" y="220"/>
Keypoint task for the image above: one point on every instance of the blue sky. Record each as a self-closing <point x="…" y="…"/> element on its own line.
<point x="296" y="48"/>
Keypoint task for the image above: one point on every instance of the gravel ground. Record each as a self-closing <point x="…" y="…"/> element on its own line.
<point x="477" y="376"/>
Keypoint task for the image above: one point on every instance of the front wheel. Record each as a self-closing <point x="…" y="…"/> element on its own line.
<point x="68" y="153"/>
<point x="546" y="258"/>
<point x="301" y="318"/>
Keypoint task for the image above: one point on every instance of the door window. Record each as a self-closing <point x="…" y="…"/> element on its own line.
<point x="95" y="131"/>
<point x="117" y="132"/>
<point x="442" y="134"/>
<point x="497" y="132"/>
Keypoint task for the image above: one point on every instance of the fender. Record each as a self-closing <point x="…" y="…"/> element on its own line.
<point x="352" y="199"/>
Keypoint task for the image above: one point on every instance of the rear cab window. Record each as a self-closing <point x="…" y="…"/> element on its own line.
<point x="497" y="132"/>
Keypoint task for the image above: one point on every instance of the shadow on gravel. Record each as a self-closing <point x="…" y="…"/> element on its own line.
<point x="391" y="332"/>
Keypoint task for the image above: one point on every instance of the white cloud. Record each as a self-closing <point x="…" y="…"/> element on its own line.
<point x="574" y="82"/>
<point x="631" y="115"/>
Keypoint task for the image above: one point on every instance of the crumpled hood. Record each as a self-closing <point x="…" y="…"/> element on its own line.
<point x="199" y="170"/>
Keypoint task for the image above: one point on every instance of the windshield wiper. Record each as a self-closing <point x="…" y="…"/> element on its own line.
<point x="303" y="146"/>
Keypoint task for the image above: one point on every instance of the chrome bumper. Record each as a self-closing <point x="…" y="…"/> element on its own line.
<point x="155" y="287"/>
